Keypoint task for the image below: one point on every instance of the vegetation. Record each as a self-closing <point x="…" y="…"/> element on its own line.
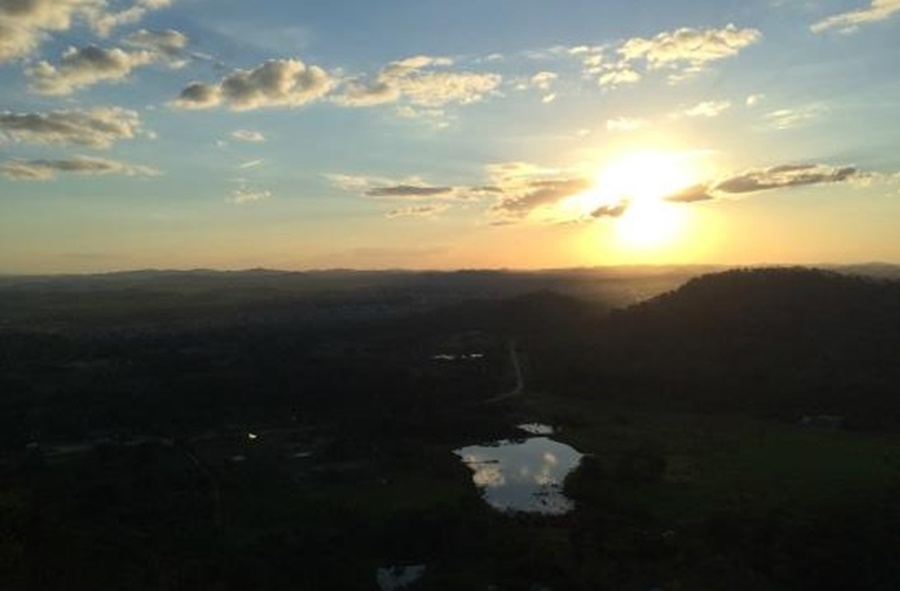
<point x="275" y="452"/>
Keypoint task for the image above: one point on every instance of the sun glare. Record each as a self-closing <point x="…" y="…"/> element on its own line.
<point x="632" y="189"/>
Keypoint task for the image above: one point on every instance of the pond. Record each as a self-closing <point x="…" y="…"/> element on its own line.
<point x="522" y="475"/>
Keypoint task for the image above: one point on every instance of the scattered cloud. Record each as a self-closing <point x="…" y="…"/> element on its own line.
<point x="246" y="135"/>
<point x="417" y="211"/>
<point x="40" y="170"/>
<point x="849" y="22"/>
<point x="85" y="66"/>
<point x="96" y="128"/>
<point x="168" y="45"/>
<point x="276" y="83"/>
<point x="422" y="81"/>
<point x="683" y="53"/>
<point x="246" y="196"/>
<point x="544" y="80"/>
<point x="788" y="118"/>
<point x="708" y="109"/>
<point x="624" y="124"/>
<point x="618" y="77"/>
<point x="686" y="46"/>
<point x="105" y="23"/>
<point x="24" y="24"/>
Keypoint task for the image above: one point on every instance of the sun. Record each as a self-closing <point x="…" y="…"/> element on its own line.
<point x="631" y="190"/>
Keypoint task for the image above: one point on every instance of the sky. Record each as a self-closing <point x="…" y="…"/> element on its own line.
<point x="431" y="134"/>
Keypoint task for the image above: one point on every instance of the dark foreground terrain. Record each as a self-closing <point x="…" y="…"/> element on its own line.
<point x="741" y="429"/>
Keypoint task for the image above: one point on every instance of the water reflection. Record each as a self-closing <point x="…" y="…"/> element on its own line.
<point x="524" y="475"/>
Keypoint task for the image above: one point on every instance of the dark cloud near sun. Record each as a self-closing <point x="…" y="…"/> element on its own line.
<point x="520" y="200"/>
<point x="692" y="194"/>
<point x="779" y="177"/>
<point x="767" y="179"/>
<point x="611" y="211"/>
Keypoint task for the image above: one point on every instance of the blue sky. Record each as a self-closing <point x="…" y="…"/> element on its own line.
<point x="228" y="134"/>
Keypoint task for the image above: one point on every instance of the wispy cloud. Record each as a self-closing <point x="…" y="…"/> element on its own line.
<point x="246" y="135"/>
<point x="422" y="81"/>
<point x="246" y="196"/>
<point x="849" y="22"/>
<point x="708" y="109"/>
<point x="40" y="170"/>
<point x="625" y="124"/>
<point x="417" y="211"/>
<point x="788" y="118"/>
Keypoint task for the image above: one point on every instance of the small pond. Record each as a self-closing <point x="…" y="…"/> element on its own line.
<point x="522" y="475"/>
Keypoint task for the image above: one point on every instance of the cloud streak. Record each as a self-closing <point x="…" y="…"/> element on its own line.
<point x="96" y="128"/>
<point x="767" y="179"/>
<point x="42" y="170"/>
<point x="849" y="22"/>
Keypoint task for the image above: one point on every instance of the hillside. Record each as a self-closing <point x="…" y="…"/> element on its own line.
<point x="783" y="341"/>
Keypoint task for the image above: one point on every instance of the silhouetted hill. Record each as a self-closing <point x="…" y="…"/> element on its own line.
<point x="788" y="341"/>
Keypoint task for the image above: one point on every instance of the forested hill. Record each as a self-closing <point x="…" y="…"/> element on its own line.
<point x="787" y="341"/>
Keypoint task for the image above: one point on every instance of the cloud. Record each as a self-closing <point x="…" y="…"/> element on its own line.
<point x="624" y="124"/>
<point x="788" y="118"/>
<point x="767" y="179"/>
<point x="779" y="177"/>
<point x="420" y="81"/>
<point x="417" y="211"/>
<point x="692" y="194"/>
<point x="245" y="196"/>
<point x="24" y="24"/>
<point x="611" y="211"/>
<point x="848" y="22"/>
<point x="754" y="99"/>
<point x="39" y="170"/>
<point x="276" y="83"/>
<point x="618" y="76"/>
<point x="693" y="47"/>
<point x="85" y="66"/>
<point x="168" y="44"/>
<point x="250" y="164"/>
<point x="246" y="135"/>
<point x="522" y="188"/>
<point x="544" y="80"/>
<point x="97" y="128"/>
<point x="104" y="23"/>
<point x="708" y="109"/>
<point x="409" y="191"/>
<point x="410" y="188"/>
<point x="683" y="52"/>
